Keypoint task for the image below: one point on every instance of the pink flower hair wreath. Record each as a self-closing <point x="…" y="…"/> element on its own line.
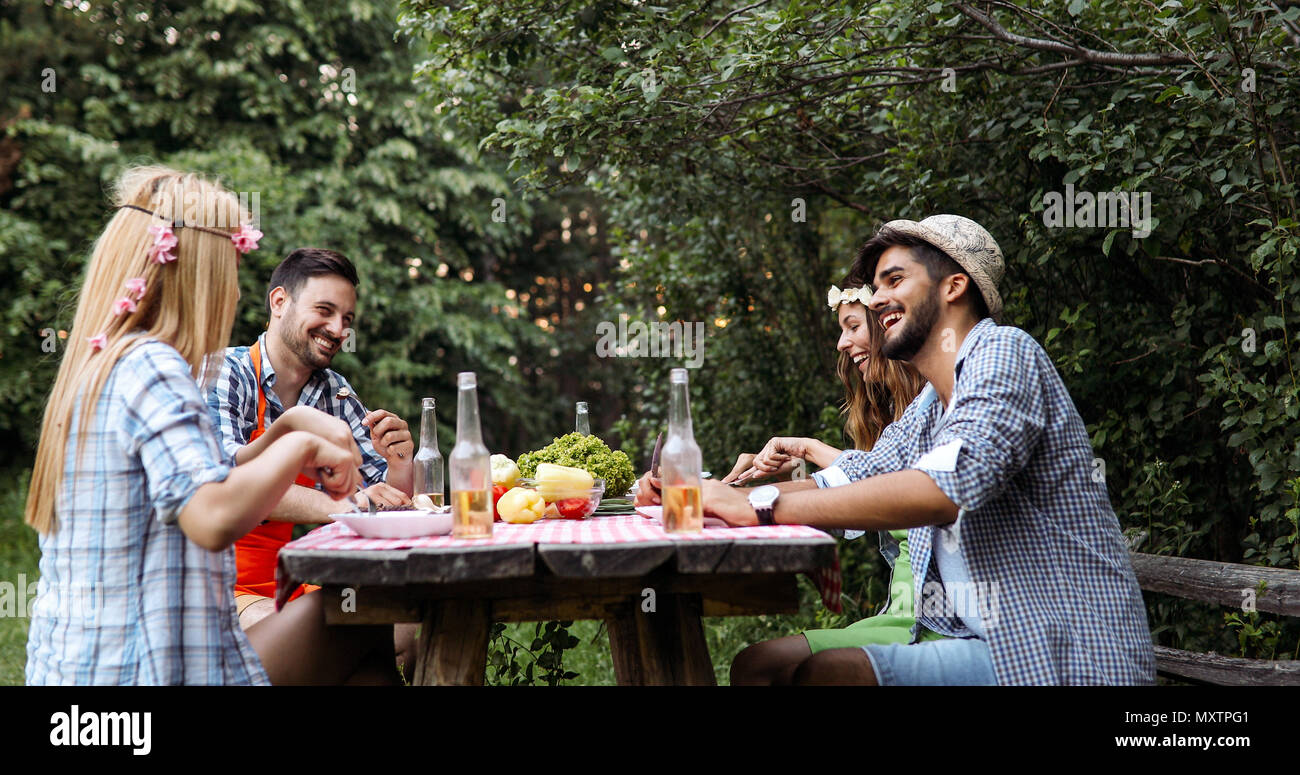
<point x="163" y="251"/>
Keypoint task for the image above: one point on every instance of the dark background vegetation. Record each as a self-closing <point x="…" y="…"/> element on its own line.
<point x="651" y="160"/>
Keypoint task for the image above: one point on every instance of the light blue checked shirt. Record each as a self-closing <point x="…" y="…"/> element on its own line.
<point x="1058" y="598"/>
<point x="124" y="597"/>
<point x="232" y="404"/>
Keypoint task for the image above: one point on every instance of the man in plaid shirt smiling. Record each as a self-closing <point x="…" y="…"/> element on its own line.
<point x="311" y="300"/>
<point x="1017" y="553"/>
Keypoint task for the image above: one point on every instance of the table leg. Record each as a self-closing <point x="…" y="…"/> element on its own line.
<point x="662" y="647"/>
<point x="452" y="649"/>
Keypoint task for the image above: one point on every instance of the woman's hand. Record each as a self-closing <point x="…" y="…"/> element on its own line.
<point x="750" y="474"/>
<point x="337" y="468"/>
<point x="780" y="453"/>
<point x="743" y="463"/>
<point x="314" y="421"/>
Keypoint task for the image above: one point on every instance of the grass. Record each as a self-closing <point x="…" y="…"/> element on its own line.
<point x="726" y="637"/>
<point x="18" y="556"/>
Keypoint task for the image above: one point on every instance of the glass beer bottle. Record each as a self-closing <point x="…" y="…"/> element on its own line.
<point x="471" y="474"/>
<point x="428" y="460"/>
<point x="680" y="463"/>
<point x="583" y="423"/>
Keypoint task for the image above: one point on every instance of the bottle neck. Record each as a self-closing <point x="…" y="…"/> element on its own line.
<point x="467" y="424"/>
<point x="429" y="427"/>
<point x="679" y="410"/>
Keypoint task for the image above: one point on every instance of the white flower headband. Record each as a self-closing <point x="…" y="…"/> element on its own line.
<point x="837" y="296"/>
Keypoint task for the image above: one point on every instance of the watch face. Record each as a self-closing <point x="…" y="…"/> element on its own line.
<point x="764" y="496"/>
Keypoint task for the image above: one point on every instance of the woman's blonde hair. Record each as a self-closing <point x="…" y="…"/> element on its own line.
<point x="188" y="303"/>
<point x="879" y="397"/>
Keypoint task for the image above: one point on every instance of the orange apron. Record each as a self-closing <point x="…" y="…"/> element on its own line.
<point x="256" y="553"/>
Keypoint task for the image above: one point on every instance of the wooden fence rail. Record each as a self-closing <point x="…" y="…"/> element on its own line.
<point x="1274" y="590"/>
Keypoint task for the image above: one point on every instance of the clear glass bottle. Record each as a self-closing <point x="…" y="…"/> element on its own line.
<point x="680" y="462"/>
<point x="471" y="473"/>
<point x="583" y="423"/>
<point x="429" y="469"/>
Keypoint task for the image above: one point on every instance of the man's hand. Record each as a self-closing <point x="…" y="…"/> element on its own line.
<point x="390" y="435"/>
<point x="727" y="503"/>
<point x="382" y="495"/>
<point x="647" y="493"/>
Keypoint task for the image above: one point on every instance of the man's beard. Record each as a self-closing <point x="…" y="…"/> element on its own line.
<point x="303" y="347"/>
<point x="916" y="330"/>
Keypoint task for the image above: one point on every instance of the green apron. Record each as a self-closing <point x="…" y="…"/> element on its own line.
<point x="891" y="625"/>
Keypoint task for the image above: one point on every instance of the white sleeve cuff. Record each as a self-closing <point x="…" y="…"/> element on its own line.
<point x="833" y="476"/>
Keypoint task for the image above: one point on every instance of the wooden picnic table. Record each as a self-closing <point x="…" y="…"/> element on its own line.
<point x="651" y="594"/>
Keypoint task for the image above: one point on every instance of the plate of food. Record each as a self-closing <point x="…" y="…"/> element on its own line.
<point x="408" y="523"/>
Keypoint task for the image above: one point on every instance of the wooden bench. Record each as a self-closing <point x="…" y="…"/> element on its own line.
<point x="1277" y="590"/>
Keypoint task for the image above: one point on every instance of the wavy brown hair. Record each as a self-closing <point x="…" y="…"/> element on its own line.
<point x="879" y="397"/>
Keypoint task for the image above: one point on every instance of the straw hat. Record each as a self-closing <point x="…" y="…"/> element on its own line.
<point x="967" y="243"/>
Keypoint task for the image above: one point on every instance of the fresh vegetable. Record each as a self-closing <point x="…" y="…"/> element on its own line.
<point x="557" y="483"/>
<point x="521" y="506"/>
<point x="588" y="453"/>
<point x="573" y="508"/>
<point x="497" y="491"/>
<point x="504" y="471"/>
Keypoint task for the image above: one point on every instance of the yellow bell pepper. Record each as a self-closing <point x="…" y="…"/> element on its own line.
<point x="557" y="483"/>
<point x="521" y="506"/>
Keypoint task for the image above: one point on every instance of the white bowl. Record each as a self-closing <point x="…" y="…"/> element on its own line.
<point x="397" y="524"/>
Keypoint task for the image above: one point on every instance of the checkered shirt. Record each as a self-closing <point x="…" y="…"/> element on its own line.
<point x="232" y="403"/>
<point x="124" y="597"/>
<point x="1033" y="521"/>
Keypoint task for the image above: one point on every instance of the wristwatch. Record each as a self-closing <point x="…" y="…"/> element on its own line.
<point x="763" y="499"/>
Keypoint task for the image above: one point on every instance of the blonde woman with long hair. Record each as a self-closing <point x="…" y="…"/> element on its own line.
<point x="876" y="392"/>
<point x="135" y="507"/>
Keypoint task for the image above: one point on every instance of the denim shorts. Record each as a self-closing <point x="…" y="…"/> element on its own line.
<point x="948" y="662"/>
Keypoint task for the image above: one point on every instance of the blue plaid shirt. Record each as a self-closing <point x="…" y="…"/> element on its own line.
<point x="1041" y="543"/>
<point x="232" y="403"/>
<point x="124" y="597"/>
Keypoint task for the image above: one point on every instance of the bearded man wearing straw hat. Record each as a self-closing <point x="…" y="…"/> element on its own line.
<point x="1018" y="556"/>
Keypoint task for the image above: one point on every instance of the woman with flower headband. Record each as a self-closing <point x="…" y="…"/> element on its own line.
<point x="877" y="390"/>
<point x="136" y="509"/>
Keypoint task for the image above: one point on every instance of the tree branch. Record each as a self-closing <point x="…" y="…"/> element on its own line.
<point x="1292" y="30"/>
<point x="1089" y="55"/>
<point x="1136" y="357"/>
<point x="724" y="19"/>
<point x="1220" y="262"/>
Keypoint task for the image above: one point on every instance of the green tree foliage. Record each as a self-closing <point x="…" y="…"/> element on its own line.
<point x="701" y="124"/>
<point x="313" y="110"/>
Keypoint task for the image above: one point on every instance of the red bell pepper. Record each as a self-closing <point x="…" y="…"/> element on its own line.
<point x="497" y="491"/>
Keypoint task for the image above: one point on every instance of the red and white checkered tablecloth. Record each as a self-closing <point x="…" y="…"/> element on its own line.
<point x="598" y="530"/>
